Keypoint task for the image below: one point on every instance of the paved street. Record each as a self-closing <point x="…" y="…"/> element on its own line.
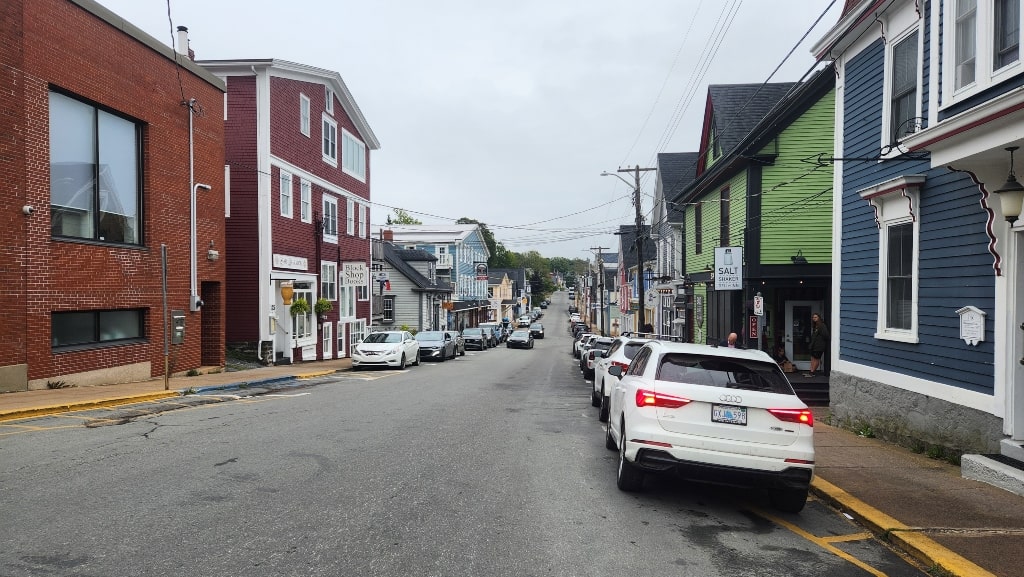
<point x="491" y="464"/>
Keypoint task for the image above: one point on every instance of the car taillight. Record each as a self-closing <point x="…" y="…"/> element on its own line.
<point x="651" y="399"/>
<point x="801" y="416"/>
<point x="621" y="365"/>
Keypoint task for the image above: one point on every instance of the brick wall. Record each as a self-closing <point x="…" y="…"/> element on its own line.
<point x="62" y="45"/>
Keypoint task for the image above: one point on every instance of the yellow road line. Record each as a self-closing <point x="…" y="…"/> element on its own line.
<point x="821" y="542"/>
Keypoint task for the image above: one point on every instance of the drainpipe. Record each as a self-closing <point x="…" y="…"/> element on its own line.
<point x="195" y="303"/>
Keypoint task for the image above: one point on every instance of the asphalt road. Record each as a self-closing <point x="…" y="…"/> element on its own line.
<point x="490" y="464"/>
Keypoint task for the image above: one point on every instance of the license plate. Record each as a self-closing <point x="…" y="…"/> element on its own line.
<point x="729" y="414"/>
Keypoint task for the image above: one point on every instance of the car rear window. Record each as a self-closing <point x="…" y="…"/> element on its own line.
<point x="631" y="349"/>
<point x="713" y="371"/>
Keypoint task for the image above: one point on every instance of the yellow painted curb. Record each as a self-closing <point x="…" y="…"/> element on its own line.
<point x="906" y="538"/>
<point x="84" y="405"/>
<point x="314" y="375"/>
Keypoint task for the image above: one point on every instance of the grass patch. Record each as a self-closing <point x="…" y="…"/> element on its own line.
<point x="58" y="385"/>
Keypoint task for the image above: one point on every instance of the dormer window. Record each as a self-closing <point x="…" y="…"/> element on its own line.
<point x="328" y="100"/>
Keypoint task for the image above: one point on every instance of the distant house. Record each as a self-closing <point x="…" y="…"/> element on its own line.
<point x="461" y="260"/>
<point x="413" y="294"/>
<point x="676" y="171"/>
<point x="632" y="270"/>
<point x="927" y="332"/>
<point x="298" y="214"/>
<point x="518" y="292"/>
<point x="99" y="187"/>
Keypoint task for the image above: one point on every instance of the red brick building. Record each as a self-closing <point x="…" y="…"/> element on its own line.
<point x="298" y="215"/>
<point x="100" y="154"/>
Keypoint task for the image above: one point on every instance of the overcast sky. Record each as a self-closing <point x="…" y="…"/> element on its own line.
<point x="507" y="113"/>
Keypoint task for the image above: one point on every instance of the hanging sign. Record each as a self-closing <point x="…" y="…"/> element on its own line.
<point x="728" y="268"/>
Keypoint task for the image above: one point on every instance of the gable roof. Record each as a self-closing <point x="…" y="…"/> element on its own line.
<point x="733" y="110"/>
<point x="284" y="68"/>
<point x="516" y="275"/>
<point x="676" y="171"/>
<point x="399" y="259"/>
<point x="627" y="244"/>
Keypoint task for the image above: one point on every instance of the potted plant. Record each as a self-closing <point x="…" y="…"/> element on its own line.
<point x="321" y="307"/>
<point x="299" y="307"/>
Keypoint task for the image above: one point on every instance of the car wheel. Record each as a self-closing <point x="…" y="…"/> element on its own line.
<point x="401" y="364"/>
<point x="609" y="441"/>
<point x="417" y="363"/>
<point x="444" y="357"/>
<point x="789" y="500"/>
<point x="595" y="400"/>
<point x="462" y="353"/>
<point x="602" y="415"/>
<point x="629" y="478"/>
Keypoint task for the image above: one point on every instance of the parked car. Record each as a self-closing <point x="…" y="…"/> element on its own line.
<point x="581" y="343"/>
<point x="476" y="339"/>
<point x="436" y="345"/>
<point x="622" y="351"/>
<point x="524" y="321"/>
<point x="520" y="339"/>
<point x="537" y="330"/>
<point x="460" y="344"/>
<point x="587" y="360"/>
<point x="592" y="356"/>
<point x="711" y="414"/>
<point x="497" y="334"/>
<point x="386" y="349"/>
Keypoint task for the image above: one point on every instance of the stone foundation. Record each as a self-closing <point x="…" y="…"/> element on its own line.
<point x="915" y="421"/>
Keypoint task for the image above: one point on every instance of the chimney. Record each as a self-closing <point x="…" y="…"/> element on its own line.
<point x="388" y="235"/>
<point x="183" y="47"/>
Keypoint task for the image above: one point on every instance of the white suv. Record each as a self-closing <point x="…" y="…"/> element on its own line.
<point x="714" y="415"/>
<point x="623" y="349"/>
<point x="386" y="349"/>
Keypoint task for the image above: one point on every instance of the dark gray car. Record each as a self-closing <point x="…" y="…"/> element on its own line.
<point x="436" y="345"/>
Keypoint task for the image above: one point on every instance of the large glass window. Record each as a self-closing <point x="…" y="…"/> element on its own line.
<point x="389" y="308"/>
<point x="350" y="217"/>
<point x="94" y="173"/>
<point x="903" y="99"/>
<point x="353" y="155"/>
<point x="77" y="328"/>
<point x="347" y="301"/>
<point x="305" y="200"/>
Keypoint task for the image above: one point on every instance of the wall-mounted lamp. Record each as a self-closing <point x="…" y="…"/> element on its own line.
<point x="1011" y="194"/>
<point x="798" y="258"/>
<point x="212" y="253"/>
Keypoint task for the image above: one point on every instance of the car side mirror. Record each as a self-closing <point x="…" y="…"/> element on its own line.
<point x="615" y="371"/>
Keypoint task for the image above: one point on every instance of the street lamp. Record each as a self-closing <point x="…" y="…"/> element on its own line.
<point x="639" y="232"/>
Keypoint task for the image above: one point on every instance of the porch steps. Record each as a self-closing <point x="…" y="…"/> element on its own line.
<point x="1004" y="470"/>
<point x="813" y="391"/>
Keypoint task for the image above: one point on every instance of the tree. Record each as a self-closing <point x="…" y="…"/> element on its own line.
<point x="402" y="217"/>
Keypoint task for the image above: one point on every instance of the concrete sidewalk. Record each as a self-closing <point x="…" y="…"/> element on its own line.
<point x="921" y="505"/>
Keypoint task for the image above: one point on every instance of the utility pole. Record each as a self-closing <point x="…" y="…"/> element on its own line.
<point x="600" y="287"/>
<point x="639" y="241"/>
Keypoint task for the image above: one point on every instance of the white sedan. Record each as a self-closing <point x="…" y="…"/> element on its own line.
<point x="386" y="349"/>
<point x="621" y="353"/>
<point x="715" y="415"/>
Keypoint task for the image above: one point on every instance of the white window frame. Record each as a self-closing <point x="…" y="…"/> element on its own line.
<point x="985" y="75"/>
<point x="343" y="347"/>
<point x="305" y="200"/>
<point x="329" y="280"/>
<point x="329" y="99"/>
<point x="361" y="221"/>
<point x="327" y="340"/>
<point x="304" y="114"/>
<point x="330" y="216"/>
<point x="329" y="140"/>
<point x="302" y="331"/>
<point x="366" y="222"/>
<point x="353" y="156"/>
<point x="887" y="128"/>
<point x="356" y="331"/>
<point x="388" y="308"/>
<point x="896" y="202"/>
<point x="286" y="194"/>
<point x="347" y="302"/>
<point x="350" y="218"/>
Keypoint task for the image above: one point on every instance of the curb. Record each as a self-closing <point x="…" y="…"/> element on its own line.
<point x="84" y="405"/>
<point x="906" y="538"/>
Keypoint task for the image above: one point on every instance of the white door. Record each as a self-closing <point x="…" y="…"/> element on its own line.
<point x="342" y="340"/>
<point x="798" y="331"/>
<point x="328" y="340"/>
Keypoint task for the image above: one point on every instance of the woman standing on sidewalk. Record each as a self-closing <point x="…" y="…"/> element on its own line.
<point x="819" y="343"/>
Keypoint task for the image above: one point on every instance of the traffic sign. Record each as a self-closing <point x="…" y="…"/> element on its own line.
<point x="759" y="306"/>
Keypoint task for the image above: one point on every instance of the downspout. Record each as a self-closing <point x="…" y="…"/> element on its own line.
<point x="194" y="301"/>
